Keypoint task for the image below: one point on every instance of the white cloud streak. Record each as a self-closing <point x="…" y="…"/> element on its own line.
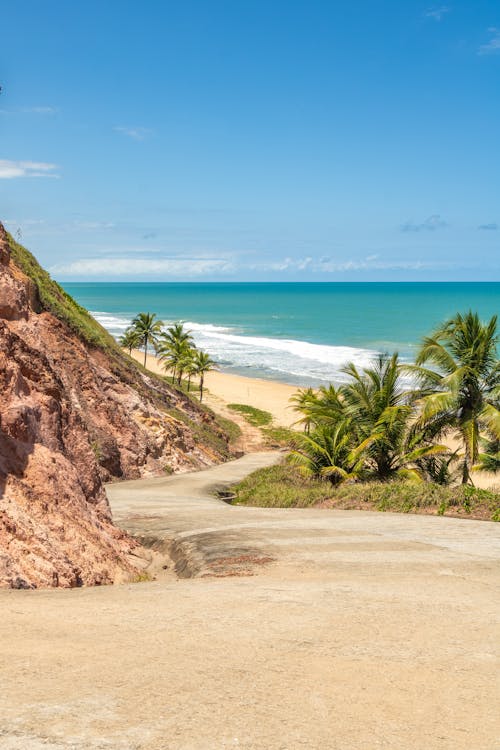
<point x="429" y="225"/>
<point x="40" y="110"/>
<point x="198" y="267"/>
<point x="493" y="46"/>
<point x="437" y="14"/>
<point x="185" y="267"/>
<point x="11" y="169"/>
<point x="136" y="133"/>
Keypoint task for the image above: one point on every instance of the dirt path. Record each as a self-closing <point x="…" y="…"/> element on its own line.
<point x="250" y="439"/>
<point x="294" y="629"/>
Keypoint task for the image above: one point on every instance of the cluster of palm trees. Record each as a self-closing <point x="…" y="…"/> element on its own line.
<point x="174" y="347"/>
<point x="390" y="420"/>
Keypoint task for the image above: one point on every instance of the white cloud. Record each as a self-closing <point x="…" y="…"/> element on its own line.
<point x="93" y="224"/>
<point x="437" y="14"/>
<point x="11" y="169"/>
<point x="40" y="110"/>
<point x="136" y="133"/>
<point x="493" y="46"/>
<point x="30" y="111"/>
<point x="430" y="224"/>
<point x="332" y="265"/>
<point x="102" y="267"/>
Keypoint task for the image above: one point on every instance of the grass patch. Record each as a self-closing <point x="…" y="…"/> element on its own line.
<point x="232" y="430"/>
<point x="255" y="417"/>
<point x="278" y="437"/>
<point x="55" y="300"/>
<point x="280" y="487"/>
<point x="284" y="487"/>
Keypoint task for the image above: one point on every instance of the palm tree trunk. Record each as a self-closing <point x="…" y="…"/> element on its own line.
<point x="145" y="349"/>
<point x="189" y="381"/>
<point x="201" y="387"/>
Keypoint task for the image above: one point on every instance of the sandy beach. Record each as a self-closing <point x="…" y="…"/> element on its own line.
<point x="226" y="388"/>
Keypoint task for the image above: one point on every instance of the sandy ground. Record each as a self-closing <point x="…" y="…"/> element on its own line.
<point x="293" y="629"/>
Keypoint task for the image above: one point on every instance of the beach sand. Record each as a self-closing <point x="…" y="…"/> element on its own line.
<point x="227" y="388"/>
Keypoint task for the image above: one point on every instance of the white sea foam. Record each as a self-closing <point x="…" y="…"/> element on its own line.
<point x="281" y="359"/>
<point x="114" y="324"/>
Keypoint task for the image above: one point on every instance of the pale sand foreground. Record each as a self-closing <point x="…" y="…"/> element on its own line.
<point x="363" y="631"/>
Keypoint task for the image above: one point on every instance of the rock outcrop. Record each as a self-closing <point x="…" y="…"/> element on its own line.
<point x="72" y="416"/>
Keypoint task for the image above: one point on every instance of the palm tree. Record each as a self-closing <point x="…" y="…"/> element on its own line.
<point x="177" y="334"/>
<point x="489" y="460"/>
<point x="462" y="393"/>
<point x="130" y="339"/>
<point x="327" y="453"/>
<point x="148" y="329"/>
<point x="186" y="363"/>
<point x="380" y="412"/>
<point x="172" y="348"/>
<point x="303" y="401"/>
<point x="190" y="367"/>
<point x="202" y="365"/>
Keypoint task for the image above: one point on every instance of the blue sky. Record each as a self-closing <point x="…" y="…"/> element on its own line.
<point x="255" y="139"/>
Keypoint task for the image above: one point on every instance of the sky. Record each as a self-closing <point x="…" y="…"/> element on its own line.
<point x="238" y="140"/>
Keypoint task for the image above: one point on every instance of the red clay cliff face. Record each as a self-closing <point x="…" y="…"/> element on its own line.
<point x="68" y="422"/>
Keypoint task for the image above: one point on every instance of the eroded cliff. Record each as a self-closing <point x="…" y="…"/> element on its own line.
<point x="76" y="412"/>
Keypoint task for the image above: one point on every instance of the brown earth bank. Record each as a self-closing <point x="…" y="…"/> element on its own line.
<point x="73" y="415"/>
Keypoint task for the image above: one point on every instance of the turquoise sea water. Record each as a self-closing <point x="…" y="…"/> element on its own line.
<point x="294" y="332"/>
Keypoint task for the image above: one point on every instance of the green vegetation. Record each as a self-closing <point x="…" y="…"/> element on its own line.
<point x="463" y="392"/>
<point x="279" y="437"/>
<point x="55" y="300"/>
<point x="232" y="430"/>
<point x="146" y="329"/>
<point x="256" y="417"/>
<point x="377" y="427"/>
<point x="280" y="487"/>
<point x="201" y="365"/>
<point x="274" y="437"/>
<point x="131" y="339"/>
<point x="373" y="442"/>
<point x="177" y="352"/>
<point x="283" y="487"/>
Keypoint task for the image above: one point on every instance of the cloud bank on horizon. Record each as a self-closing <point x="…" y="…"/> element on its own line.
<point x="371" y="155"/>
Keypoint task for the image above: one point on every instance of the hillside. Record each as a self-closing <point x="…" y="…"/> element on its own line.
<point x="76" y="412"/>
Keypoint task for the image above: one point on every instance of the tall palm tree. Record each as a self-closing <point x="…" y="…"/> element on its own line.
<point x="148" y="328"/>
<point x="462" y="393"/>
<point x="202" y="365"/>
<point x="190" y="366"/>
<point x="173" y="347"/>
<point x="186" y="362"/>
<point x="130" y="339"/>
<point x="177" y="334"/>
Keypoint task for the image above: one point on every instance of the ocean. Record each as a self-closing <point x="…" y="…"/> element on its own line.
<point x="298" y="333"/>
